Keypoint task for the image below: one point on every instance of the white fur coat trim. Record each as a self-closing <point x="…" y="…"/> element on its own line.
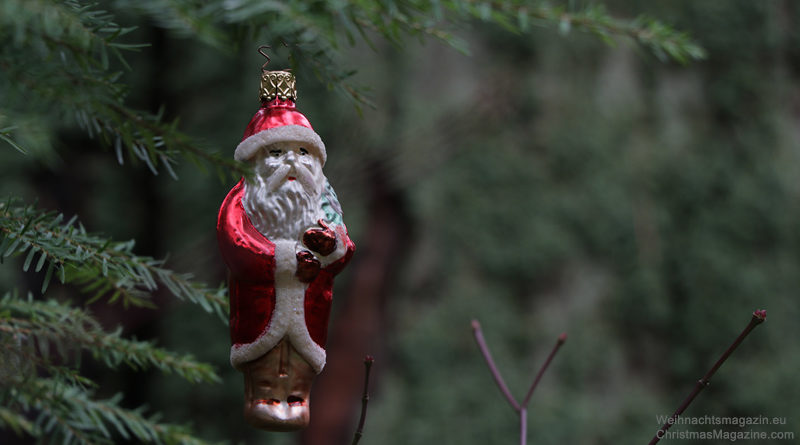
<point x="298" y="133"/>
<point x="288" y="318"/>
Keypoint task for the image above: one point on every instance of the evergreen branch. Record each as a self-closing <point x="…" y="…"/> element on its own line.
<point x="100" y="265"/>
<point x="61" y="40"/>
<point x="84" y="87"/>
<point x="516" y="16"/>
<point x="17" y="422"/>
<point x="662" y="40"/>
<point x="315" y="34"/>
<point x="317" y="31"/>
<point x="50" y="322"/>
<point x="88" y="33"/>
<point x="186" y="18"/>
<point x="21" y="360"/>
<point x="5" y="135"/>
<point x="71" y="414"/>
<point x="144" y="134"/>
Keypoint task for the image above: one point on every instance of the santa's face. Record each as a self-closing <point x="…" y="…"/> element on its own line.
<point x="289" y="166"/>
<point x="282" y="200"/>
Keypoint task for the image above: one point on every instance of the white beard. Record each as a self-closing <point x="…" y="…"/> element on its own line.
<point x="282" y="214"/>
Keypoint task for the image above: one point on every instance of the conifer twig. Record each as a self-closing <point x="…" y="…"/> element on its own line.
<point x="368" y="361"/>
<point x="71" y="329"/>
<point x="99" y="265"/>
<point x="759" y="316"/>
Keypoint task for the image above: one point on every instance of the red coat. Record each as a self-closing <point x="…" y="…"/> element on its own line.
<point x="260" y="315"/>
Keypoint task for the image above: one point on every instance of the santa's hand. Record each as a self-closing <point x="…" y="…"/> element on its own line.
<point x="307" y="267"/>
<point x="321" y="240"/>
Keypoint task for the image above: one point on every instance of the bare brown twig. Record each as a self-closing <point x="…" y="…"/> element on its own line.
<point x="759" y="316"/>
<point x="561" y="339"/>
<point x="476" y="330"/>
<point x="521" y="409"/>
<point x="368" y="361"/>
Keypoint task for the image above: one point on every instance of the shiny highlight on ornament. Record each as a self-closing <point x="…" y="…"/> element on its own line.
<point x="277" y="387"/>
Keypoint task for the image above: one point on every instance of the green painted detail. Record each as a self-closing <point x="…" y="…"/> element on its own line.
<point x="331" y="207"/>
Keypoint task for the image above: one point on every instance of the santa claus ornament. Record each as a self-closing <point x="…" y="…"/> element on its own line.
<point x="282" y="237"/>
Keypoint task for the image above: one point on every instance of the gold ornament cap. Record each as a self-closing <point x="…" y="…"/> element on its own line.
<point x="277" y="84"/>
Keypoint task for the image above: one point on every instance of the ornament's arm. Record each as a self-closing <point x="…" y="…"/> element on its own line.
<point x="338" y="259"/>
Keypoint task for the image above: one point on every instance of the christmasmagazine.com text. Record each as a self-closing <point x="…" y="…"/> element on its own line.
<point x="731" y="429"/>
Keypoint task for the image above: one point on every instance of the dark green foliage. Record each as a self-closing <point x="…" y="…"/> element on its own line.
<point x="646" y="209"/>
<point x="69" y="72"/>
<point x="316" y="30"/>
<point x="63" y="62"/>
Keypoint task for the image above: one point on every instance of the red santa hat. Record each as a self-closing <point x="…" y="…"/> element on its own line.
<point x="278" y="120"/>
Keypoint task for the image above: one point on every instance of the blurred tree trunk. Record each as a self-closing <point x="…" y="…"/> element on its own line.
<point x="357" y="331"/>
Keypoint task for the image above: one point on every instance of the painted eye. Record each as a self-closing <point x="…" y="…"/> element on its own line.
<point x="275" y="153"/>
<point x="303" y="151"/>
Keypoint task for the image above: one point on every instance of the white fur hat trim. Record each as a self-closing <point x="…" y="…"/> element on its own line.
<point x="298" y="133"/>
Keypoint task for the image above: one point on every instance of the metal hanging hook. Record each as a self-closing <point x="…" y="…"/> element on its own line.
<point x="261" y="51"/>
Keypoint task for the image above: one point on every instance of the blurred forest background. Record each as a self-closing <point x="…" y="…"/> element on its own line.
<point x="548" y="182"/>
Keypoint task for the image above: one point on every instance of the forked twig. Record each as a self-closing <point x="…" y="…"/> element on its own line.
<point x="759" y="316"/>
<point x="521" y="409"/>
<point x="368" y="361"/>
<point x="476" y="330"/>
<point x="561" y="339"/>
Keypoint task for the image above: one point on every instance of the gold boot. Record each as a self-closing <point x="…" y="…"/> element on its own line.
<point x="277" y="386"/>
